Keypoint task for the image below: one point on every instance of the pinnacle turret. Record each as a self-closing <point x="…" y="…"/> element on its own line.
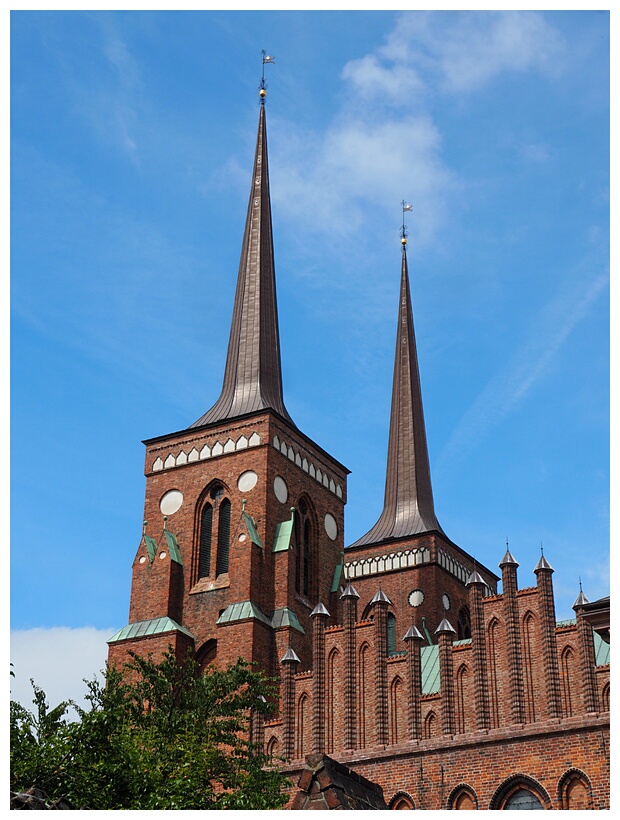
<point x="253" y="375"/>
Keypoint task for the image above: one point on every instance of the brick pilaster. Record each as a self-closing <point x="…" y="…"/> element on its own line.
<point x="349" y="598"/>
<point x="289" y="663"/>
<point x="413" y="638"/>
<point x="381" y="602"/>
<point x="445" y="636"/>
<point x="513" y="638"/>
<point x="587" y="658"/>
<point x="319" y="617"/>
<point x="546" y="605"/>
<point x="478" y="644"/>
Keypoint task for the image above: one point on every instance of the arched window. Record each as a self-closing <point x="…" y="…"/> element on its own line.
<point x="391" y="634"/>
<point x="523" y="799"/>
<point x="304" y="542"/>
<point x="528" y="651"/>
<point x="223" y="538"/>
<point x="362" y="682"/>
<point x="463" y="798"/>
<point x="567" y="667"/>
<point x="402" y="801"/>
<point x="273" y="747"/>
<point x="463" y="624"/>
<point x="206" y="654"/>
<point x="575" y="791"/>
<point x="492" y="650"/>
<point x="302" y="708"/>
<point x="461" y="676"/>
<point x="605" y="698"/>
<point x="206" y="533"/>
<point x="520" y="792"/>
<point x="332" y="700"/>
<point x="395" y="697"/>
<point x="430" y="725"/>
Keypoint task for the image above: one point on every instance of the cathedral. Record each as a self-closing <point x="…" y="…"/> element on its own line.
<point x="399" y="661"/>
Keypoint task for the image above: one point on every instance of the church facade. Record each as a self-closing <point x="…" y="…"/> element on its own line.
<point x="396" y="655"/>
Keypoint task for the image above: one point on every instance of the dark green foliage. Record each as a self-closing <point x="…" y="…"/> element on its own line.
<point x="172" y="739"/>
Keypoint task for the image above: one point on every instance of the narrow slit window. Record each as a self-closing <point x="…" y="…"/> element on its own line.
<point x="223" y="538"/>
<point x="206" y="533"/>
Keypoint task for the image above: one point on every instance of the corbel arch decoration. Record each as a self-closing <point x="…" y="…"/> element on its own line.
<point x="462" y="798"/>
<point x="273" y="747"/>
<point x="401" y="801"/>
<point x="575" y="790"/>
<point x="520" y="791"/>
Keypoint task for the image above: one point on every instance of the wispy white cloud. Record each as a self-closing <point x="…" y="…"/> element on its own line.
<point x="57" y="659"/>
<point x="513" y="383"/>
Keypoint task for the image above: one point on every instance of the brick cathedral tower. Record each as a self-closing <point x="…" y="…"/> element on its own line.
<point x="243" y="515"/>
<point x="422" y="573"/>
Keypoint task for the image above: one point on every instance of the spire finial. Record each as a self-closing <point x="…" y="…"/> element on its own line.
<point x="165" y="522"/>
<point x="580" y="589"/>
<point x="263" y="85"/>
<point x="541" y="548"/>
<point x="403" y="231"/>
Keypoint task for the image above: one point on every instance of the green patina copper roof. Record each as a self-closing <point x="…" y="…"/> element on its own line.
<point x="286" y="617"/>
<point x="284" y="530"/>
<point x="173" y="547"/>
<point x="249" y="522"/>
<point x="337" y="574"/>
<point x="567" y="622"/>
<point x="247" y="609"/>
<point x="601" y="650"/>
<point x="241" y="611"/>
<point x="154" y="626"/>
<point x="151" y="545"/>
<point x="430" y="669"/>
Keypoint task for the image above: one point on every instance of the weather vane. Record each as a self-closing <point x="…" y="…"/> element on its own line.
<point x="403" y="230"/>
<point x="263" y="85"/>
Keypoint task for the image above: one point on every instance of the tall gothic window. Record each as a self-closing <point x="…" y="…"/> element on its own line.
<point x="463" y="624"/>
<point x="391" y="634"/>
<point x="303" y="539"/>
<point x="223" y="538"/>
<point x="206" y="533"/>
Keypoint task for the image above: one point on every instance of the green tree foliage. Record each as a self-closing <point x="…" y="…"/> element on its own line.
<point x="161" y="735"/>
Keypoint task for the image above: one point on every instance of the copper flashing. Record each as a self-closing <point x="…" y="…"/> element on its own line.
<point x="408" y="507"/>
<point x="253" y="374"/>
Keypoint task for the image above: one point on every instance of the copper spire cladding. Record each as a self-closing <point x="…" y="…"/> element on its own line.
<point x="253" y="375"/>
<point x="408" y="507"/>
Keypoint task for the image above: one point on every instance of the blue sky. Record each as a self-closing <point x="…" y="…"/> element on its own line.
<point x="132" y="137"/>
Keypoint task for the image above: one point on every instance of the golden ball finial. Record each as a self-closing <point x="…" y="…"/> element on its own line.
<point x="262" y="93"/>
<point x="403" y="240"/>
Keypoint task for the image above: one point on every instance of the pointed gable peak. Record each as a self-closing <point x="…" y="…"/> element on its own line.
<point x="408" y="507"/>
<point x="253" y="374"/>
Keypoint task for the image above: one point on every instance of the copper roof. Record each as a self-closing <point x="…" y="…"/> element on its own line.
<point x="253" y="375"/>
<point x="408" y="507"/>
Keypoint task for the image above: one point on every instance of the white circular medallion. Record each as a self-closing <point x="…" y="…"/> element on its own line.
<point x="331" y="528"/>
<point x="416" y="597"/>
<point x="247" y="481"/>
<point x="280" y="489"/>
<point x="162" y="555"/>
<point x="445" y="601"/>
<point x="242" y="536"/>
<point x="171" y="502"/>
<point x="143" y="559"/>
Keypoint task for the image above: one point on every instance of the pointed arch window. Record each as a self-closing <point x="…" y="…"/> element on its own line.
<point x="206" y="535"/>
<point x="304" y="540"/>
<point x="463" y="624"/>
<point x="391" y="634"/>
<point x="223" y="538"/>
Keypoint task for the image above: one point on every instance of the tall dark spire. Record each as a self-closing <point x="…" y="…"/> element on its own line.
<point x="253" y="375"/>
<point x="408" y="507"/>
